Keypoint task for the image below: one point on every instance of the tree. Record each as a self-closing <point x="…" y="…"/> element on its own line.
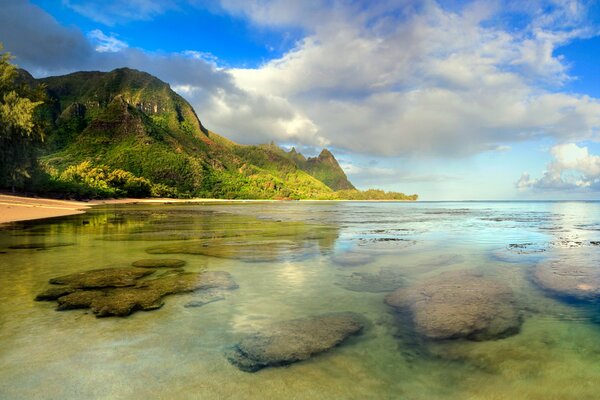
<point x="20" y="129"/>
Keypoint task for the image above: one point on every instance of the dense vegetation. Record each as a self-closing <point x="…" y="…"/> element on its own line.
<point x="126" y="133"/>
<point x="20" y="127"/>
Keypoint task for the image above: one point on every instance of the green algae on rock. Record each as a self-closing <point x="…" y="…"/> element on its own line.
<point x="145" y="295"/>
<point x="100" y="278"/>
<point x="158" y="263"/>
<point x="295" y="340"/>
<point x="459" y="304"/>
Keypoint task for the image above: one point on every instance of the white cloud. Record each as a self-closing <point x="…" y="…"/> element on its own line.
<point x="395" y="77"/>
<point x="433" y="80"/>
<point x="106" y="44"/>
<point x="572" y="167"/>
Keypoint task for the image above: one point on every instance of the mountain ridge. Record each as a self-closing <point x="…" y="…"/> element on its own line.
<point x="132" y="122"/>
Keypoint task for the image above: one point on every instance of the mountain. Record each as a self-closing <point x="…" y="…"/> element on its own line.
<point x="126" y="132"/>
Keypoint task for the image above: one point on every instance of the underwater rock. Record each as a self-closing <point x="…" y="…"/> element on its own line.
<point x="458" y="304"/>
<point x="206" y="297"/>
<point x="158" y="263"/>
<point x="145" y="295"/>
<point x="385" y="280"/>
<point x="352" y="259"/>
<point x="295" y="340"/>
<point x="100" y="278"/>
<point x="54" y="292"/>
<point x="250" y="251"/>
<point x="38" y="246"/>
<point x="578" y="281"/>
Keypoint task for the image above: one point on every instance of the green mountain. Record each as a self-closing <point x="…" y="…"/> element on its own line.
<point x="126" y="132"/>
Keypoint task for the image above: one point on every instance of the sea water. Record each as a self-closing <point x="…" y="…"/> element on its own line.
<point x="292" y="260"/>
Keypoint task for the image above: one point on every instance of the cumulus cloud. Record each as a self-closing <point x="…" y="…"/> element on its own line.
<point x="391" y="78"/>
<point x="434" y="80"/>
<point x="572" y="167"/>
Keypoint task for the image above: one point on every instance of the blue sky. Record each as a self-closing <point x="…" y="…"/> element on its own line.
<point x="451" y="100"/>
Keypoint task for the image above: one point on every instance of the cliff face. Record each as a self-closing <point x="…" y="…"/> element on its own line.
<point x="131" y="121"/>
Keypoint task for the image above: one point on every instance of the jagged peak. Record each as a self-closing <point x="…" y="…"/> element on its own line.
<point x="326" y="154"/>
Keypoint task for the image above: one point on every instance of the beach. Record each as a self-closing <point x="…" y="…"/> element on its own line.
<point x="15" y="208"/>
<point x="19" y="208"/>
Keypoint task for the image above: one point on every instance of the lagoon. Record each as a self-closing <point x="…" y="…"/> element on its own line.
<point x="293" y="260"/>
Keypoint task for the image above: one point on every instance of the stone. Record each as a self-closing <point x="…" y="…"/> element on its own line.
<point x="569" y="280"/>
<point x="458" y="304"/>
<point x="385" y="280"/>
<point x="158" y="263"/>
<point x="54" y="292"/>
<point x="145" y="295"/>
<point x="100" y="278"/>
<point x="295" y="340"/>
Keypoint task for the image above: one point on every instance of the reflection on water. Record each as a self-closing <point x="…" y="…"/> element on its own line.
<point x="294" y="260"/>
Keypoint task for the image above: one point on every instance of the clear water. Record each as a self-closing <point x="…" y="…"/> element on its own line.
<point x="290" y="271"/>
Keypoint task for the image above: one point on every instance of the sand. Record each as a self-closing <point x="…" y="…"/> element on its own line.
<point x="18" y="208"/>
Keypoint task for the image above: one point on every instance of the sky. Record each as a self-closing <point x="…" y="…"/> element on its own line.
<point x="453" y="100"/>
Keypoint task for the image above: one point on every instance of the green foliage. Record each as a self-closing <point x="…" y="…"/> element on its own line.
<point x="86" y="180"/>
<point x="20" y="129"/>
<point x="373" y="194"/>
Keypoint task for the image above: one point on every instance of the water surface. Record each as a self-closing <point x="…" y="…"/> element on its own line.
<point x="295" y="259"/>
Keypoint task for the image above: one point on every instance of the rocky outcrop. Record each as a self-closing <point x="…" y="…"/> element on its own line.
<point x="458" y="304"/>
<point x="295" y="340"/>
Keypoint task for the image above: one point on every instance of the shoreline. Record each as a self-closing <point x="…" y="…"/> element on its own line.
<point x="15" y="208"/>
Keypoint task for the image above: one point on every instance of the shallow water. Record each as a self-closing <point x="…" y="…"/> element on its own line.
<point x="290" y="260"/>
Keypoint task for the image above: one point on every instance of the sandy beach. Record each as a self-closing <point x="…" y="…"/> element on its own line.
<point x="18" y="208"/>
<point x="15" y="208"/>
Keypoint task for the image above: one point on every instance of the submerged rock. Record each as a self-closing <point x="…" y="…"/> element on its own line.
<point x="206" y="297"/>
<point x="578" y="281"/>
<point x="458" y="304"/>
<point x="295" y="340"/>
<point x="352" y="258"/>
<point x="385" y="280"/>
<point x="250" y="251"/>
<point x="145" y="295"/>
<point x="54" y="292"/>
<point x="158" y="263"/>
<point x="100" y="278"/>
